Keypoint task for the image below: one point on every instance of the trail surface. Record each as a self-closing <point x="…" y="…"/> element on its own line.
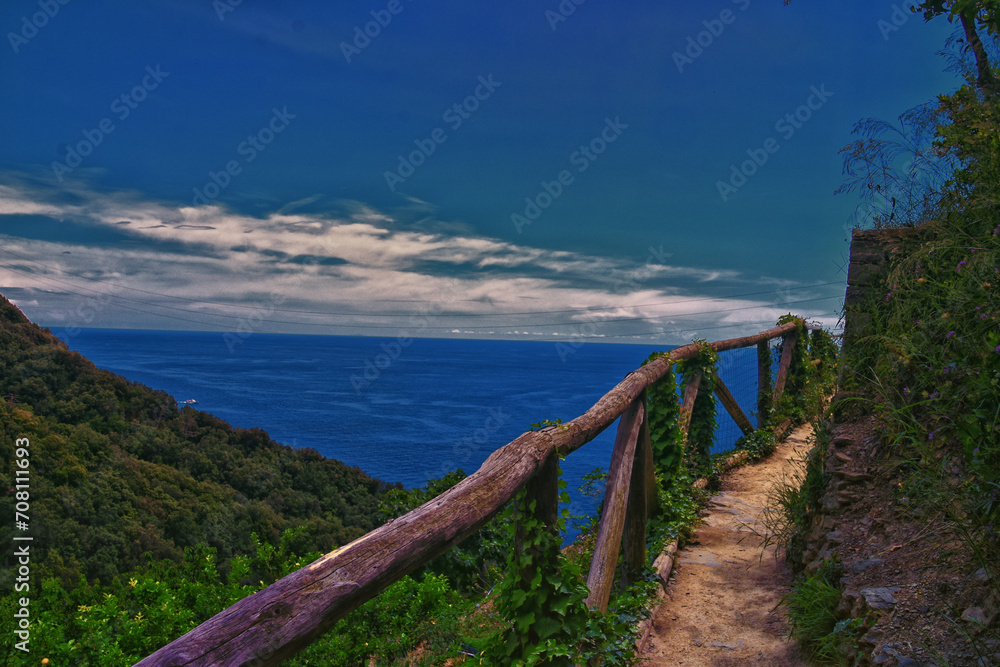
<point x="720" y="606"/>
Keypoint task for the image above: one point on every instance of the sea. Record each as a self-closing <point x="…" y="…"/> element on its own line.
<point x="402" y="410"/>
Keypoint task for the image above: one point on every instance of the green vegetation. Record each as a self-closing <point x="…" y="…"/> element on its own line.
<point x="124" y="486"/>
<point x="701" y="432"/>
<point x="928" y="364"/>
<point x="925" y="358"/>
<point x="120" y="623"/>
<point x="543" y="599"/>
<point x="812" y="608"/>
<point x="156" y="519"/>
<point x="118" y="471"/>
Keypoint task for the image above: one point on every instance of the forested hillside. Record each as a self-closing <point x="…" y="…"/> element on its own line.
<point x="118" y="470"/>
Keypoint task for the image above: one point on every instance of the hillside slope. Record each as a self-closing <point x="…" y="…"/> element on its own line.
<point x="118" y="470"/>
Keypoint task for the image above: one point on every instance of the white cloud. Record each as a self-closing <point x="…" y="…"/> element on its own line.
<point x="355" y="272"/>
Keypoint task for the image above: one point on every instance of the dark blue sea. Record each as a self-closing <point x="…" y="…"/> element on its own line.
<point x="405" y="412"/>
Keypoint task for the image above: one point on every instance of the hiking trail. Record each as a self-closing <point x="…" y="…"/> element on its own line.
<point x="721" y="607"/>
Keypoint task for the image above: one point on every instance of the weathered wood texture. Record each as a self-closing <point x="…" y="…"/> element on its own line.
<point x="616" y="499"/>
<point x="277" y="622"/>
<point x="687" y="403"/>
<point x="636" y="513"/>
<point x="664" y="563"/>
<point x="787" y="346"/>
<point x="732" y="407"/>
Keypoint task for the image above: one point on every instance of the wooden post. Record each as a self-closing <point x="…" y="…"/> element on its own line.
<point x="763" y="378"/>
<point x="277" y="622"/>
<point x="687" y="406"/>
<point x="634" y="534"/>
<point x="543" y="488"/>
<point x="646" y="443"/>
<point x="609" y="532"/>
<point x="787" y="345"/>
<point x="732" y="406"/>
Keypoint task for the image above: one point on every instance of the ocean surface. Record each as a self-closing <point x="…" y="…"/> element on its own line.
<point x="402" y="411"/>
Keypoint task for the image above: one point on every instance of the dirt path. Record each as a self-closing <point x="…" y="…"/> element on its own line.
<point x="721" y="600"/>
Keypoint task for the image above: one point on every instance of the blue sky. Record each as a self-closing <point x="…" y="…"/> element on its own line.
<point x="538" y="170"/>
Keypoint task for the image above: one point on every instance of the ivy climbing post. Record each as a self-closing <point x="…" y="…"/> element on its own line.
<point x="763" y="382"/>
<point x="698" y="411"/>
<point x="787" y="347"/>
<point x="638" y="512"/>
<point x="540" y="508"/>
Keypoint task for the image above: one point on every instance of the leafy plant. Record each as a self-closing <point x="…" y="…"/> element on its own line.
<point x="814" y="621"/>
<point x="548" y="423"/>
<point x="543" y="599"/>
<point x="662" y="413"/>
<point x="758" y="445"/>
<point x="473" y="564"/>
<point x="701" y="432"/>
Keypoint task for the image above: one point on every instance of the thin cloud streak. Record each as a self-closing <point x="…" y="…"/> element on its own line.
<point x="358" y="273"/>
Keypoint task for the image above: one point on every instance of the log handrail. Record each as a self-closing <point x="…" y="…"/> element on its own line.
<point x="616" y="501"/>
<point x="282" y="619"/>
<point x="787" y="347"/>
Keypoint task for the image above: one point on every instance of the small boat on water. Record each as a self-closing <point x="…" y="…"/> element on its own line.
<point x="189" y="401"/>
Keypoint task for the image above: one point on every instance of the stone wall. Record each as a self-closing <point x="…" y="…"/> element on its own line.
<point x="871" y="252"/>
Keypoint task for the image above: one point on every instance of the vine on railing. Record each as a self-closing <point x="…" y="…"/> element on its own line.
<point x="701" y="431"/>
<point x="765" y="384"/>
<point x="662" y="414"/>
<point x="810" y="374"/>
<point x="798" y="370"/>
<point x="543" y="600"/>
<point x="543" y="597"/>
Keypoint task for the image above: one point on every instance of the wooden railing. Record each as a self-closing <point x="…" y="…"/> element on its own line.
<point x="282" y="619"/>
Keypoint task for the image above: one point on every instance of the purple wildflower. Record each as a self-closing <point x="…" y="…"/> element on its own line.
<point x="997" y="350"/>
<point x="960" y="265"/>
<point x="930" y="436"/>
<point x="950" y="334"/>
<point x="906" y="391"/>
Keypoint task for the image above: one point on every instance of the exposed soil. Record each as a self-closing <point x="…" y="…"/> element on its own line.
<point x="722" y="604"/>
<point x="909" y="547"/>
